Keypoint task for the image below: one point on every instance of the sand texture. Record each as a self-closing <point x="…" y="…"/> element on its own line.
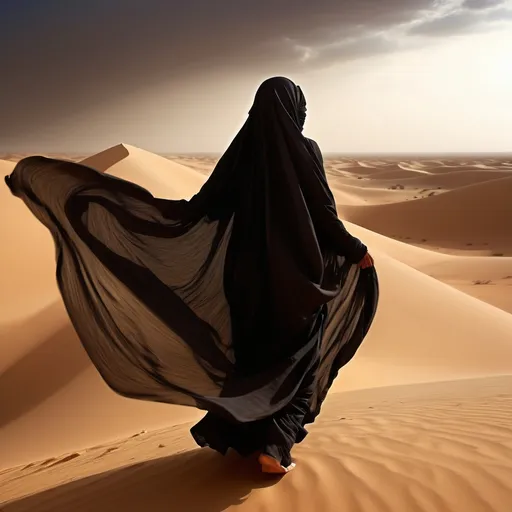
<point x="419" y="421"/>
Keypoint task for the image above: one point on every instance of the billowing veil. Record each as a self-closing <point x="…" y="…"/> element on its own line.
<point x="224" y="302"/>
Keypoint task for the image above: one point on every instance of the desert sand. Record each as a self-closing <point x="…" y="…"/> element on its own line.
<point x="419" y="420"/>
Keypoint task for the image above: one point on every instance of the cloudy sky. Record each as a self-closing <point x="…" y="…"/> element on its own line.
<point x="179" y="76"/>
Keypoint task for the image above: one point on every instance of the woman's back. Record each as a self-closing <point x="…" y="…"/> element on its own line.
<point x="244" y="301"/>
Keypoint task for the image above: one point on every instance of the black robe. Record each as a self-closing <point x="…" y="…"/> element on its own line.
<point x="244" y="301"/>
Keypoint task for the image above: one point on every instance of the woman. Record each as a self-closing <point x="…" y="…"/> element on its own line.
<point x="244" y="301"/>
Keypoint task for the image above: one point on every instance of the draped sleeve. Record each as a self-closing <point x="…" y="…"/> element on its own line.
<point x="330" y="228"/>
<point x="217" y="197"/>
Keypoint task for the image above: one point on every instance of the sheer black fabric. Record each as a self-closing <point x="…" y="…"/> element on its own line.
<point x="244" y="301"/>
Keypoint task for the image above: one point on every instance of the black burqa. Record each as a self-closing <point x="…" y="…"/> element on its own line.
<point x="244" y="301"/>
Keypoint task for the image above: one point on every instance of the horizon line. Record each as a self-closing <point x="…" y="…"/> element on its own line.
<point x="329" y="153"/>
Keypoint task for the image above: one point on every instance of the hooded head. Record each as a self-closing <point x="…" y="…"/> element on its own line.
<point x="280" y="92"/>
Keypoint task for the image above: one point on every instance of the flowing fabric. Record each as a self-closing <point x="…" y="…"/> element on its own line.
<point x="244" y="301"/>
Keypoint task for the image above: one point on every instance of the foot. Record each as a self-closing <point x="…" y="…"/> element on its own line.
<point x="271" y="465"/>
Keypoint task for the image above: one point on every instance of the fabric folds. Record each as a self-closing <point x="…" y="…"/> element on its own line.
<point x="244" y="301"/>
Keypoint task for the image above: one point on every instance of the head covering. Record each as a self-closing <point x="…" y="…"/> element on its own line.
<point x="213" y="302"/>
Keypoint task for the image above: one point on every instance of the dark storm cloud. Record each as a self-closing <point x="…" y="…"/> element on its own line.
<point x="481" y="4"/>
<point x="96" y="35"/>
<point x="61" y="58"/>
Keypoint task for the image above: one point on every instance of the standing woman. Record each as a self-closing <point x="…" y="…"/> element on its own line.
<point x="244" y="301"/>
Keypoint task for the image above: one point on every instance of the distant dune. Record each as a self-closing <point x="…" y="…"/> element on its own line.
<point x="475" y="214"/>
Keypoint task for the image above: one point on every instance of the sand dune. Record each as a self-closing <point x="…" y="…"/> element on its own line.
<point x="456" y="219"/>
<point x="402" y="429"/>
<point x="368" y="195"/>
<point x="162" y="177"/>
<point x="6" y="166"/>
<point x="49" y="376"/>
<point x="447" y="181"/>
<point x="105" y="159"/>
<point x="401" y="182"/>
<point x="345" y="196"/>
<point x="28" y="284"/>
<point x="399" y="173"/>
<point x="203" y="164"/>
<point x="413" y="166"/>
<point x="427" y="331"/>
<point x="451" y="180"/>
<point x="487" y="278"/>
<point x="389" y="449"/>
<point x="459" y="167"/>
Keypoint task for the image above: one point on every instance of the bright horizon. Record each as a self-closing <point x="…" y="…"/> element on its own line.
<point x="416" y="78"/>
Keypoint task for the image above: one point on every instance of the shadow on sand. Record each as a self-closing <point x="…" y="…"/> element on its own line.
<point x="47" y="368"/>
<point x="194" y="481"/>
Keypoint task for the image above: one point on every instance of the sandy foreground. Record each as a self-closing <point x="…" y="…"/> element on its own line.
<point x="420" y="420"/>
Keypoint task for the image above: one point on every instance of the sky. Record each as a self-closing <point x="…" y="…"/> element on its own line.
<point x="380" y="76"/>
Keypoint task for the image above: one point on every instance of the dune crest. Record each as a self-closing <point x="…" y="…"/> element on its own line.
<point x="107" y="158"/>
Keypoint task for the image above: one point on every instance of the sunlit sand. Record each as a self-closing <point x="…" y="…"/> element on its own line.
<point x="419" y="420"/>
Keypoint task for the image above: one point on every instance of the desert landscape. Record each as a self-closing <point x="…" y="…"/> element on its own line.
<point x="419" y="421"/>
